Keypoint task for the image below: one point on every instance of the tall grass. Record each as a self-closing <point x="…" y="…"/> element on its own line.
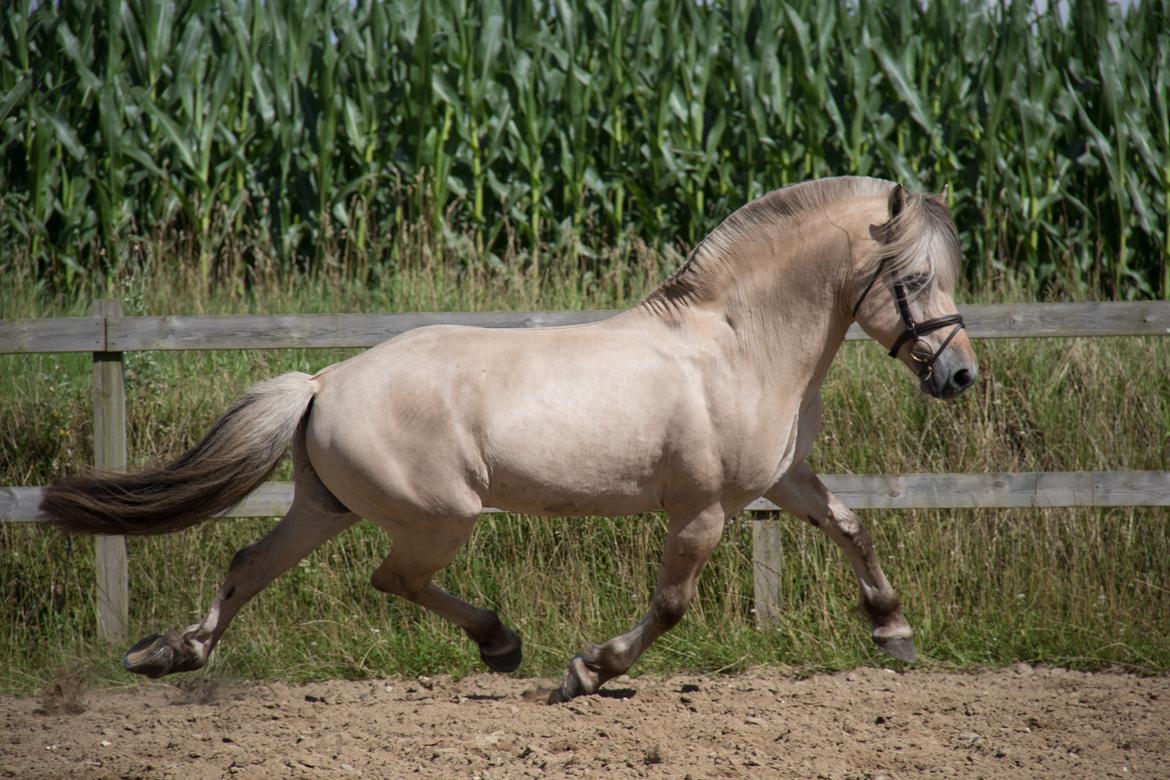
<point x="304" y="134"/>
<point x="1084" y="588"/>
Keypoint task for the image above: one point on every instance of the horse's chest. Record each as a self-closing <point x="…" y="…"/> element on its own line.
<point x="757" y="463"/>
<point x="740" y="458"/>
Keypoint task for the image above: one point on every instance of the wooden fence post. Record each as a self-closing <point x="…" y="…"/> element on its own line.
<point x="766" y="567"/>
<point x="109" y="452"/>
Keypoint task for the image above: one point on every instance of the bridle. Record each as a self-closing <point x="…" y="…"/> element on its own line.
<point x="914" y="330"/>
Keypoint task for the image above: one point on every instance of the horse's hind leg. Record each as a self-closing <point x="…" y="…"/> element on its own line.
<point x="804" y="495"/>
<point x="314" y="518"/>
<point x="415" y="557"/>
<point x="689" y="543"/>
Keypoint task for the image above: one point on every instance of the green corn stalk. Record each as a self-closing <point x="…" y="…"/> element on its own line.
<point x="570" y="124"/>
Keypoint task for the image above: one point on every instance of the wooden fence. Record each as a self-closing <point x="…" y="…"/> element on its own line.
<point x="107" y="335"/>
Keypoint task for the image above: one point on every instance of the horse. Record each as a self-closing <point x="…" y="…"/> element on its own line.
<point x="697" y="401"/>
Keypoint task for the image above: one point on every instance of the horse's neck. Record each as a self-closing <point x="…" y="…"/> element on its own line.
<point x="787" y="314"/>
<point x="774" y="295"/>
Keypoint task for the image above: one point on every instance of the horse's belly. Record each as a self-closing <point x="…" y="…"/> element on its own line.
<point x="561" y="503"/>
<point x="575" y="465"/>
<point x="560" y="487"/>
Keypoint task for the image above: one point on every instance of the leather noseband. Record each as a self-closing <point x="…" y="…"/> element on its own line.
<point x="913" y="331"/>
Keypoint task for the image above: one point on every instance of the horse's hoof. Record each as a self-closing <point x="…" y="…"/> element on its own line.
<point x="901" y="648"/>
<point x="578" y="681"/>
<point x="506" y="661"/>
<point x="152" y="656"/>
<point x="157" y="655"/>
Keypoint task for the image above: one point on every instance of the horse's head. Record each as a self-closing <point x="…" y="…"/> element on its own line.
<point x="902" y="293"/>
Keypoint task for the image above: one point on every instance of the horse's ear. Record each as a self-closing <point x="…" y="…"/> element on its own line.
<point x="896" y="203"/>
<point x="946" y="193"/>
<point x="897" y="200"/>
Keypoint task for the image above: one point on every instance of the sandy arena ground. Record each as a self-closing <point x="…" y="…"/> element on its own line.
<point x="869" y="723"/>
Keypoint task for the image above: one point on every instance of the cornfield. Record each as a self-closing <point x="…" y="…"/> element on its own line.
<point x="311" y="134"/>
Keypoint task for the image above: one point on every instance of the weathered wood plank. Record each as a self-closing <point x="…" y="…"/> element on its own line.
<point x="272" y="499"/>
<point x="364" y="330"/>
<point x="859" y="491"/>
<point x="1032" y="489"/>
<point x="1061" y="320"/>
<point x="19" y="504"/>
<point x="767" y="558"/>
<point x="313" y="330"/>
<point x="1013" y="320"/>
<point x="85" y="334"/>
<point x="110" y="454"/>
<point x="62" y="334"/>
<point x="912" y="491"/>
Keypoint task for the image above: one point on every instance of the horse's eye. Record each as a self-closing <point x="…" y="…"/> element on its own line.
<point x="915" y="283"/>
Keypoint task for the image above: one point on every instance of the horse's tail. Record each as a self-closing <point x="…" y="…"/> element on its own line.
<point x="235" y="456"/>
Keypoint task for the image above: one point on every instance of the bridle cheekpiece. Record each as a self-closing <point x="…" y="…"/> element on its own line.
<point x="912" y="330"/>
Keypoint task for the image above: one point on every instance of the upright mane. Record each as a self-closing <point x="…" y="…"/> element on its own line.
<point x="921" y="240"/>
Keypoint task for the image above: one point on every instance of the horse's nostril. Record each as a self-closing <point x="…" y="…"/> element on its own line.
<point x="962" y="378"/>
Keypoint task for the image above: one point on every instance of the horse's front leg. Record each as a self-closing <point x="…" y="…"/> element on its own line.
<point x="689" y="543"/>
<point x="804" y="495"/>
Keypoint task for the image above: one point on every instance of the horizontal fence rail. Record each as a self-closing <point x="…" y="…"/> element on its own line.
<point x="1015" y="490"/>
<point x="317" y="331"/>
<point x="107" y="335"/>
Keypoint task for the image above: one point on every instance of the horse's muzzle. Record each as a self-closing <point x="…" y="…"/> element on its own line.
<point x="947" y="378"/>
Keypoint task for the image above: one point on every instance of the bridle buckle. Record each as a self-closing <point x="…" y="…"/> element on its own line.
<point x="924" y="357"/>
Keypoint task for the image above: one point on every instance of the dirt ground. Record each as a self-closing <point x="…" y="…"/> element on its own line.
<point x="869" y="723"/>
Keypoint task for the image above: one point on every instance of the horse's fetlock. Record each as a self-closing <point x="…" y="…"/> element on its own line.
<point x="491" y="634"/>
<point x="490" y="629"/>
<point x="610" y="659"/>
<point x="880" y="605"/>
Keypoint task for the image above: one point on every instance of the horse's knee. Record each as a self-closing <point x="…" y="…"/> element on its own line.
<point x="849" y="525"/>
<point x="852" y="532"/>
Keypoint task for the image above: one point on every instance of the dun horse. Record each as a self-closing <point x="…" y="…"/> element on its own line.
<point x="696" y="402"/>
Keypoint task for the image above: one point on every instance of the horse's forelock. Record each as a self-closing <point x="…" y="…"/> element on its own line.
<point x="920" y="241"/>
